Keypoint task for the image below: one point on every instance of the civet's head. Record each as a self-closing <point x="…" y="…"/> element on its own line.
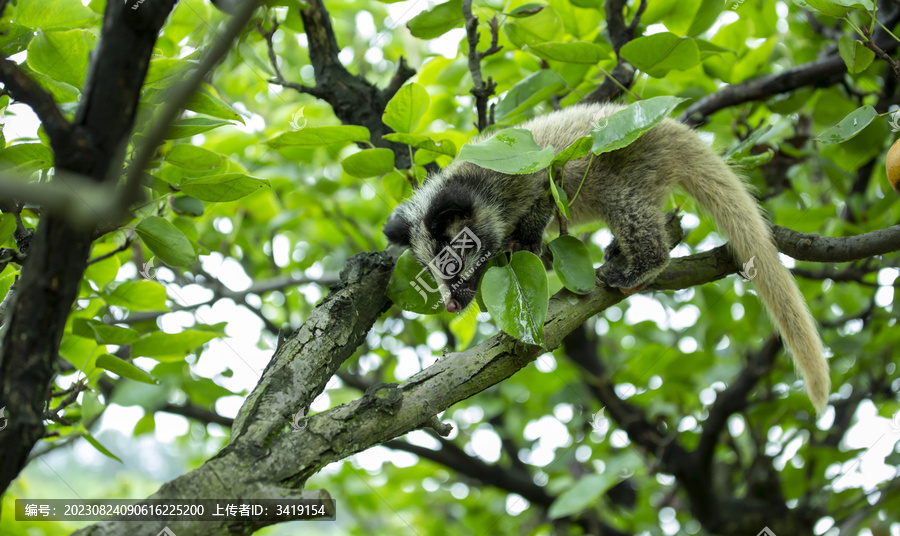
<point x="452" y="231"/>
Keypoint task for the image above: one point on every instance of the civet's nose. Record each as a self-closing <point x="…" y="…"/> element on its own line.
<point x="453" y="306"/>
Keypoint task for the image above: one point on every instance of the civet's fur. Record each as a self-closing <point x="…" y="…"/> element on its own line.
<point x="625" y="188"/>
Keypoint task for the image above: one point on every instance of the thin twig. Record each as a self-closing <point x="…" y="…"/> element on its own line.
<point x="128" y="240"/>
<point x="881" y="53"/>
<point x="481" y="90"/>
<point x="273" y="59"/>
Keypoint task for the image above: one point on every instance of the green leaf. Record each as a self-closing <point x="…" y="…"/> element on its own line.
<point x="222" y="188"/>
<point x="170" y="346"/>
<point x="623" y="127"/>
<point x="517" y="296"/>
<point x="511" y="150"/>
<point x="406" y="108"/>
<point x="855" y="54"/>
<point x="185" y="204"/>
<point x="708" y="49"/>
<point x="413" y="288"/>
<point x="837" y="8"/>
<point x="419" y="141"/>
<point x="53" y="14"/>
<point x="573" y="264"/>
<point x="62" y="56"/>
<point x="529" y="91"/>
<point x="163" y="72"/>
<point x="437" y="21"/>
<point x="96" y="444"/>
<point x="191" y="126"/>
<point x="138" y="296"/>
<point x="660" y="53"/>
<point x="144" y="425"/>
<point x="205" y="102"/>
<point x="805" y="220"/>
<point x="849" y="126"/>
<point x="106" y="334"/>
<point x="7" y="227"/>
<point x="62" y="92"/>
<point x="577" y="52"/>
<point x="124" y="369"/>
<point x="193" y="158"/>
<point x="333" y="137"/>
<point x="754" y="62"/>
<point x="584" y="494"/>
<point x="34" y="155"/>
<point x="166" y="241"/>
<point x="394" y="184"/>
<point x="103" y="272"/>
<point x="14" y="38"/>
<point x="369" y="163"/>
<point x="541" y="27"/>
<point x="577" y="149"/>
<point x="682" y="15"/>
<point x="91" y="406"/>
<point x="753" y="162"/>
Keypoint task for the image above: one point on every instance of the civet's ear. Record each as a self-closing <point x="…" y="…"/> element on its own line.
<point x="398" y="228"/>
<point x="449" y="206"/>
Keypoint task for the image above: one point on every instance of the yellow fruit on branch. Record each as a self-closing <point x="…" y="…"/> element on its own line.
<point x="892" y="163"/>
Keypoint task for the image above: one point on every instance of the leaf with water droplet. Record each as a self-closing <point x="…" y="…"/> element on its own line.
<point x="849" y="126"/>
<point x="625" y="126"/>
<point x="512" y="150"/>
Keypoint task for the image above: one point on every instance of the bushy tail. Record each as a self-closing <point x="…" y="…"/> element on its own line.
<point x="718" y="190"/>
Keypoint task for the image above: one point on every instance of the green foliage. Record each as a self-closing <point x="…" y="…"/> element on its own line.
<point x="437" y="21"/>
<point x="369" y="163"/>
<point x="579" y="52"/>
<point x="572" y="263"/>
<point x="405" y="109"/>
<point x="166" y="241"/>
<point x="517" y="296"/>
<point x="855" y="54"/>
<point x="660" y="53"/>
<point x="413" y="288"/>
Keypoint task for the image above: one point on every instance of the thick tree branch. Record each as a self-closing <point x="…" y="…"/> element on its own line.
<point x="810" y="247"/>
